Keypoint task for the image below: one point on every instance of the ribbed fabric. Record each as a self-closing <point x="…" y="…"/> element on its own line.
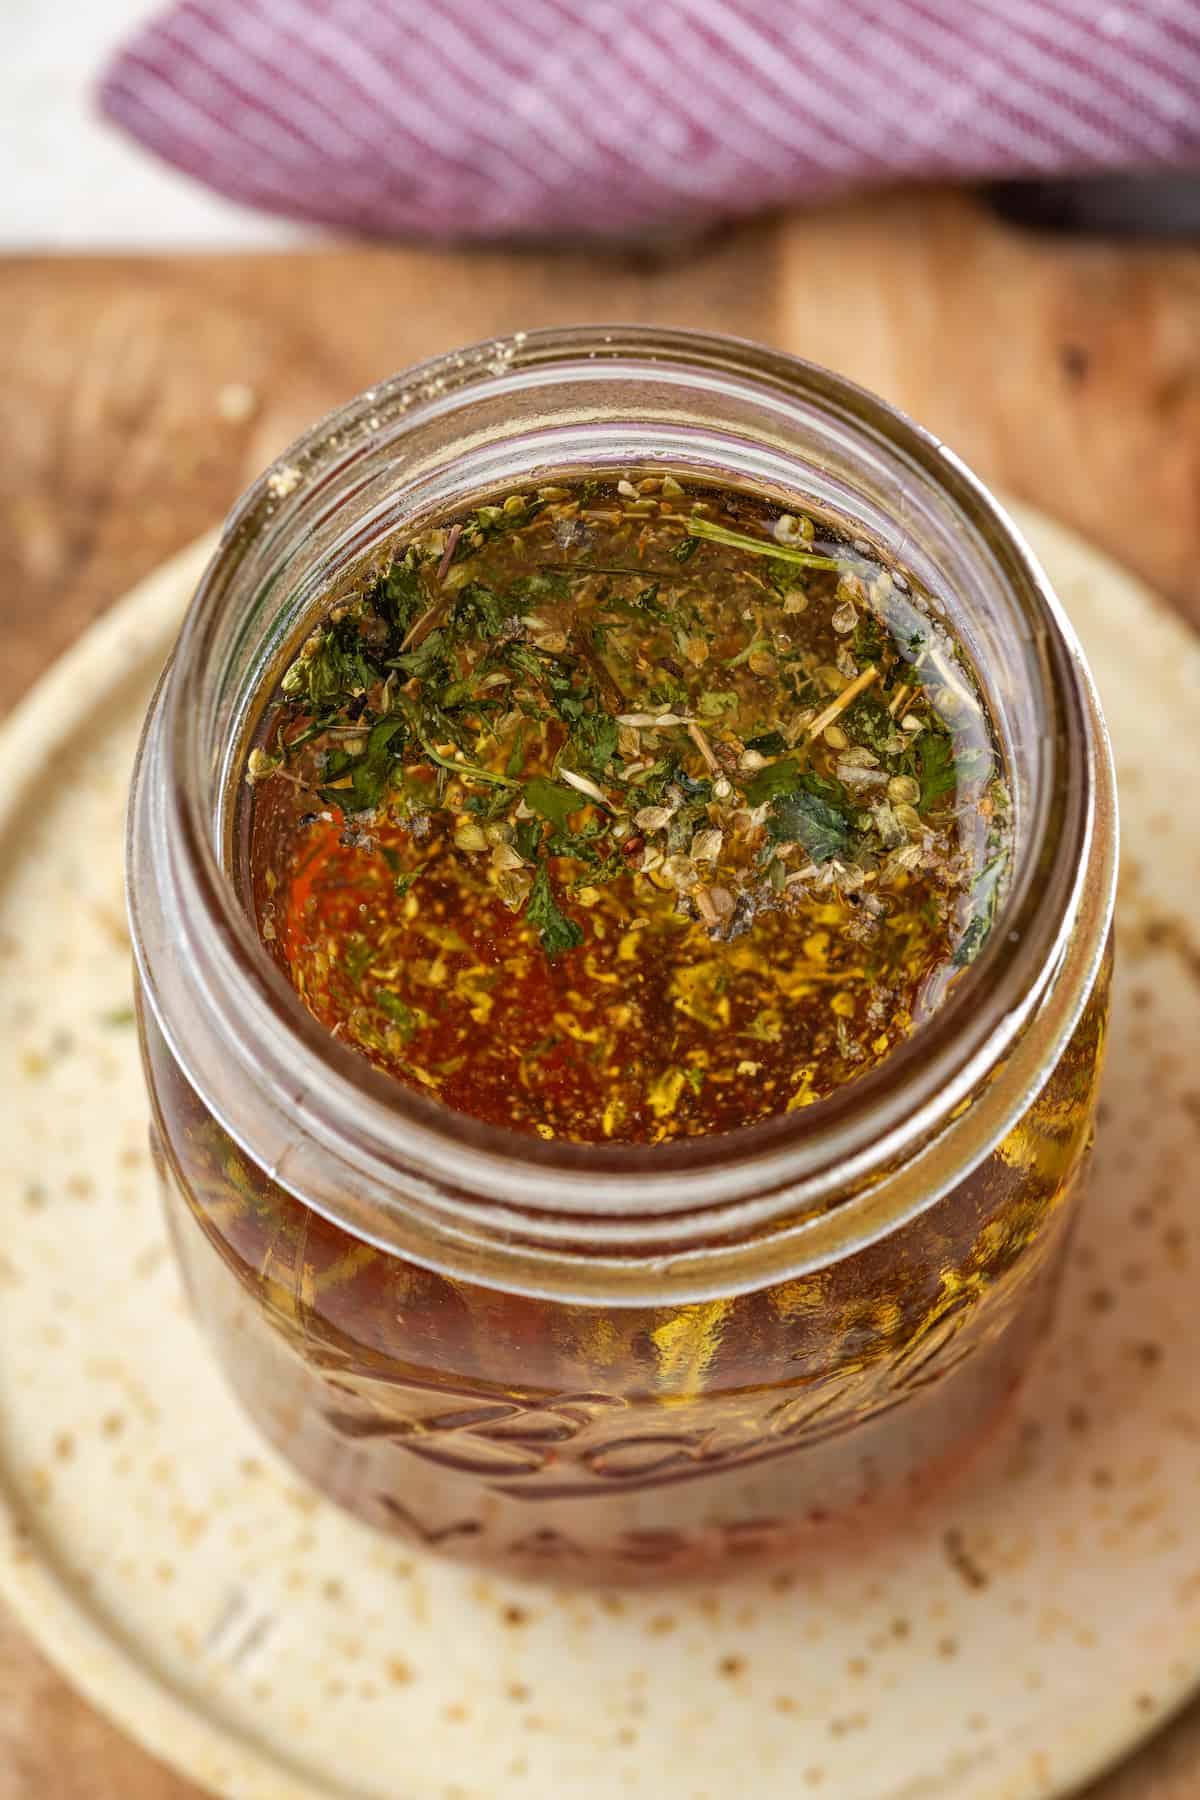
<point x="612" y="118"/>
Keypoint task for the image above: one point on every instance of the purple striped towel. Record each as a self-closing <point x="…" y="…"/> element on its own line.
<point x="612" y="118"/>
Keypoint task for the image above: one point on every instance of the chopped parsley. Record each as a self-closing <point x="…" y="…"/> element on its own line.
<point x="557" y="930"/>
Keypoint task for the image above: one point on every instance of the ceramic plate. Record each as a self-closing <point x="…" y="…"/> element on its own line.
<point x="1027" y="1628"/>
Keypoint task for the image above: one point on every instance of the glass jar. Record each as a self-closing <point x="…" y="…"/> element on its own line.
<point x="618" y="1362"/>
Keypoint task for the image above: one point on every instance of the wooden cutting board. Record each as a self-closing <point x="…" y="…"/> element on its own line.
<point x="139" y="395"/>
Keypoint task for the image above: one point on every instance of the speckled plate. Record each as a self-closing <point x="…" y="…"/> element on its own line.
<point x="1020" y="1633"/>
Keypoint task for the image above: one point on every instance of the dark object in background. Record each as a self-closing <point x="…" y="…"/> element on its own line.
<point x="1154" y="206"/>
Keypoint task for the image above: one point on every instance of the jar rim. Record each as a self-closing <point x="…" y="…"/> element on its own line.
<point x="480" y="1177"/>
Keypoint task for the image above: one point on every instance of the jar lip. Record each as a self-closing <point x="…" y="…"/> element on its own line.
<point x="384" y="1127"/>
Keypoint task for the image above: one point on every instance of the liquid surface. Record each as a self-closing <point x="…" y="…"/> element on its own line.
<point x="627" y="811"/>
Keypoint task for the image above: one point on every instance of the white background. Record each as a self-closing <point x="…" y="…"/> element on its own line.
<point x="70" y="181"/>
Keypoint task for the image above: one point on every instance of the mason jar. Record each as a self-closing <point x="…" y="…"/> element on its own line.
<point x="616" y="1362"/>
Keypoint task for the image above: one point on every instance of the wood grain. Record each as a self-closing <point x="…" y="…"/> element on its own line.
<point x="138" y="397"/>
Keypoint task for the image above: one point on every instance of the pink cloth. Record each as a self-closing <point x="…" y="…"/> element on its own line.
<point x="516" y="118"/>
